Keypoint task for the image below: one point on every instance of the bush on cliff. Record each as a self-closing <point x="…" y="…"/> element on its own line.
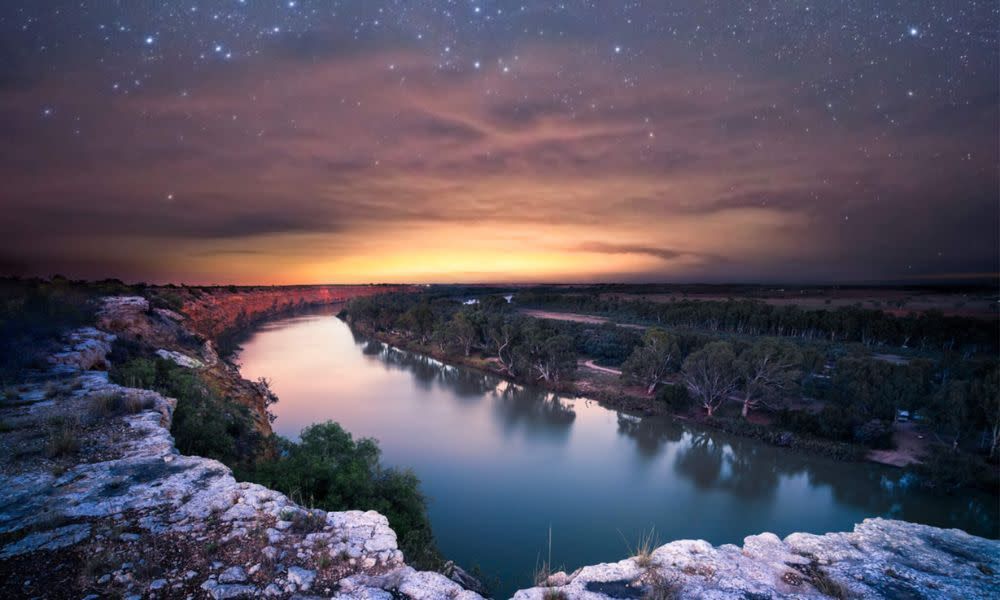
<point x="329" y="469"/>
<point x="204" y="423"/>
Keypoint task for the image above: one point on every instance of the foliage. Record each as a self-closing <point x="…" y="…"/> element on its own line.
<point x="930" y="329"/>
<point x="329" y="469"/>
<point x="544" y="352"/>
<point x="677" y="397"/>
<point x="947" y="471"/>
<point x="204" y="423"/>
<point x="33" y="314"/>
<point x="768" y="370"/>
<point x="650" y="362"/>
<point x="876" y="389"/>
<point x="711" y="374"/>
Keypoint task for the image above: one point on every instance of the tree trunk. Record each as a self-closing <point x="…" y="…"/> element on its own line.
<point x="746" y="406"/>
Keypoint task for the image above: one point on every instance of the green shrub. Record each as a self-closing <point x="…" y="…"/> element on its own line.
<point x="677" y="397"/>
<point x="332" y="471"/>
<point x="204" y="423"/>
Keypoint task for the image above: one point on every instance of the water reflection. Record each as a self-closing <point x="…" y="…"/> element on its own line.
<point x="503" y="462"/>
<point x="537" y="411"/>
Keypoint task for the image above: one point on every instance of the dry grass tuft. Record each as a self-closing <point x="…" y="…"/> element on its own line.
<point x="113" y="404"/>
<point x="63" y="437"/>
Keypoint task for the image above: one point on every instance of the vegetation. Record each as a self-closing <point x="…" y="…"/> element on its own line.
<point x="328" y="469"/>
<point x="63" y="437"/>
<point x="35" y="312"/>
<point x="116" y="403"/>
<point x="710" y="373"/>
<point x="650" y="362"/>
<point x="204" y="422"/>
<point x="813" y="372"/>
<point x="755" y="318"/>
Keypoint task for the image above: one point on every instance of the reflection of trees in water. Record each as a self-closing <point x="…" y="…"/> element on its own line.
<point x="535" y="409"/>
<point x="747" y="469"/>
<point x="700" y="461"/>
<point x="752" y="470"/>
<point x="650" y="434"/>
<point x="711" y="460"/>
<point x="465" y="383"/>
<point x="888" y="492"/>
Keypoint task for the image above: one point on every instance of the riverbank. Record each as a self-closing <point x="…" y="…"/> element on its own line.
<point x="604" y="386"/>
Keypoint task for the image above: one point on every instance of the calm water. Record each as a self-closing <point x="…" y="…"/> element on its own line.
<point x="501" y="463"/>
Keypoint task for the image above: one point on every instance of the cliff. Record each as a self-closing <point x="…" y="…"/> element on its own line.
<point x="217" y="310"/>
<point x="96" y="501"/>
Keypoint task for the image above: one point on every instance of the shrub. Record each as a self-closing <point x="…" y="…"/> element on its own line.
<point x="875" y="434"/>
<point x="677" y="397"/>
<point x="336" y="472"/>
<point x="204" y="423"/>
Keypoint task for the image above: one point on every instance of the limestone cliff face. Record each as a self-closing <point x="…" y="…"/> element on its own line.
<point x="213" y="313"/>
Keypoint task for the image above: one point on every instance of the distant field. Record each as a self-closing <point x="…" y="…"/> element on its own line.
<point x="893" y="301"/>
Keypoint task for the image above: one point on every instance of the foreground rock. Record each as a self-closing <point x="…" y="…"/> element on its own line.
<point x="879" y="559"/>
<point x="95" y="501"/>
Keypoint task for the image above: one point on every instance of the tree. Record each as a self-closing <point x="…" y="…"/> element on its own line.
<point x="766" y="369"/>
<point x="986" y="393"/>
<point x="711" y="375"/>
<point x="950" y="410"/>
<point x="555" y="358"/>
<point x="420" y="321"/>
<point x="503" y="331"/>
<point x="462" y="330"/>
<point x="650" y="362"/>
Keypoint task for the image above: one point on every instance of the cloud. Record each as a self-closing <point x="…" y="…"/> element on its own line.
<point x="664" y="254"/>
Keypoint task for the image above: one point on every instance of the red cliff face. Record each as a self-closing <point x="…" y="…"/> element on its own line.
<point x="213" y="311"/>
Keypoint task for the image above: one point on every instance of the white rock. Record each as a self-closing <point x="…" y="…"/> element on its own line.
<point x="303" y="578"/>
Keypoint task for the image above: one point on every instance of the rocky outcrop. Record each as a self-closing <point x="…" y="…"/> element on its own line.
<point x="95" y="501"/>
<point x="879" y="559"/>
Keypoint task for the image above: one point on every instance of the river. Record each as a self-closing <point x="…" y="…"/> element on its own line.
<point x="502" y="464"/>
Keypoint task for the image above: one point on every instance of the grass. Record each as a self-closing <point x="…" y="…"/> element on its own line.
<point x="642" y="553"/>
<point x="5" y="426"/>
<point x="113" y="404"/>
<point x="63" y="438"/>
<point x="544" y="570"/>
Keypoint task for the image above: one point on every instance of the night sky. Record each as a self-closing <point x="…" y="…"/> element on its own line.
<point x="260" y="141"/>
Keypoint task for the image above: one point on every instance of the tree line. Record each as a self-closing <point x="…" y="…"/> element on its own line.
<point x="927" y="330"/>
<point x="855" y="397"/>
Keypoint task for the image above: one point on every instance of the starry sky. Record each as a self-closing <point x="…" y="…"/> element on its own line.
<point x="262" y="141"/>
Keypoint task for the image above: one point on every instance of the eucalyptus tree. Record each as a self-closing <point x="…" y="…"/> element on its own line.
<point x="767" y="369"/>
<point x="711" y="375"/>
<point x="650" y="362"/>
